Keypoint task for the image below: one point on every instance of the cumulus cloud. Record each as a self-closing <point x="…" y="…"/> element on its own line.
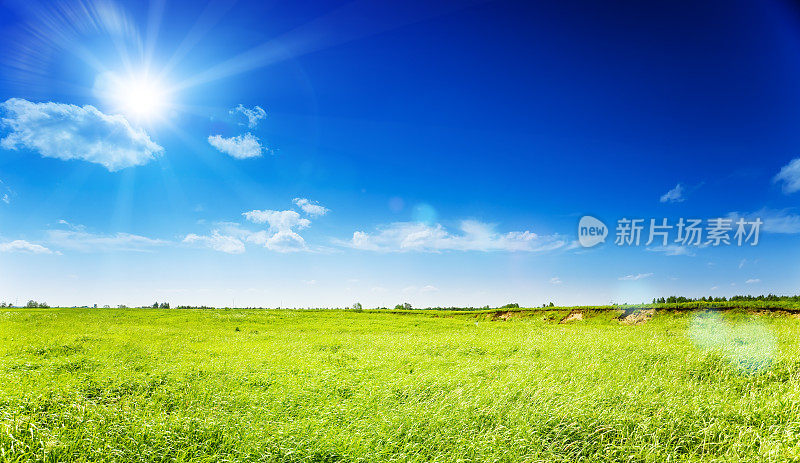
<point x="277" y="220"/>
<point x="281" y="234"/>
<point x="218" y="242"/>
<point x="66" y="132"/>
<point x="312" y="209"/>
<point x="789" y="176"/>
<point x="24" y="246"/>
<point x="78" y="240"/>
<point x="253" y="115"/>
<point x="639" y="276"/>
<point x="239" y="147"/>
<point x="473" y="236"/>
<point x="674" y="195"/>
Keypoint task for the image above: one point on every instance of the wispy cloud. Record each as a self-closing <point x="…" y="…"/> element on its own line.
<point x="672" y="250"/>
<point x="789" y="177"/>
<point x="674" y="195"/>
<point x="239" y="147"/>
<point x="218" y="242"/>
<point x="5" y="193"/>
<point x="24" y="246"/>
<point x="753" y="281"/>
<point x="473" y="236"/>
<point x="639" y="276"/>
<point x="253" y="115"/>
<point x="82" y="241"/>
<point x="781" y="221"/>
<point x="555" y="281"/>
<point x="66" y="132"/>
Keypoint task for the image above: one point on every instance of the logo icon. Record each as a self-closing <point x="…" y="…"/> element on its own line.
<point x="591" y="231"/>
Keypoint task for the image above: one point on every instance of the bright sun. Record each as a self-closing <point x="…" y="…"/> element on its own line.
<point x="140" y="98"/>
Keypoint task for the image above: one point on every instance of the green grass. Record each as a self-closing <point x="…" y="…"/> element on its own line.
<point x="331" y="386"/>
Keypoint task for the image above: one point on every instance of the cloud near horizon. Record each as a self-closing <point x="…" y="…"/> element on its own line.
<point x="67" y="132"/>
<point x="281" y="234"/>
<point x="637" y="277"/>
<point x="24" y="246"/>
<point x="77" y="239"/>
<point x="473" y="236"/>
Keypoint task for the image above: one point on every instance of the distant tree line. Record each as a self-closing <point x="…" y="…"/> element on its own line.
<point x="37" y="305"/>
<point x="768" y="297"/>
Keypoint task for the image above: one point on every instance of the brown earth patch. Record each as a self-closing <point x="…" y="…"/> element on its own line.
<point x="506" y="315"/>
<point x="575" y="315"/>
<point x="636" y="316"/>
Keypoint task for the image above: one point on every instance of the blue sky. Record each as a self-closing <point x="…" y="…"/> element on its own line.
<point x="440" y="153"/>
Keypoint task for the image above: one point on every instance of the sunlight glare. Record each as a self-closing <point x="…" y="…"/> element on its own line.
<point x="140" y="98"/>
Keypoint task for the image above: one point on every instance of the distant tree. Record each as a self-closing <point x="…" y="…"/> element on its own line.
<point x="357" y="307"/>
<point x="106" y="306"/>
<point x="155" y="305"/>
<point x="511" y="306"/>
<point x="32" y="304"/>
<point x="164" y="305"/>
<point x="122" y="306"/>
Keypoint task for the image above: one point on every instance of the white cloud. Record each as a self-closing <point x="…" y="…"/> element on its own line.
<point x="636" y="277"/>
<point x="7" y="192"/>
<point x="83" y="241"/>
<point x="555" y="281"/>
<point x="278" y="220"/>
<point x="239" y="147"/>
<point x="429" y="289"/>
<point x="280" y="236"/>
<point x="66" y="132"/>
<point x="781" y="221"/>
<point x="753" y="281"/>
<point x="252" y="115"/>
<point x="282" y="241"/>
<point x="24" y="246"/>
<point x="312" y="209"/>
<point x="674" y="195"/>
<point x="217" y="242"/>
<point x="474" y="236"/>
<point x="71" y="226"/>
<point x="790" y="176"/>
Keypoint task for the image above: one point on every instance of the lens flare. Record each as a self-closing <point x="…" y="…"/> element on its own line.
<point x="749" y="346"/>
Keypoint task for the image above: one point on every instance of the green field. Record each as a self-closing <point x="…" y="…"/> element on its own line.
<point x="329" y="386"/>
